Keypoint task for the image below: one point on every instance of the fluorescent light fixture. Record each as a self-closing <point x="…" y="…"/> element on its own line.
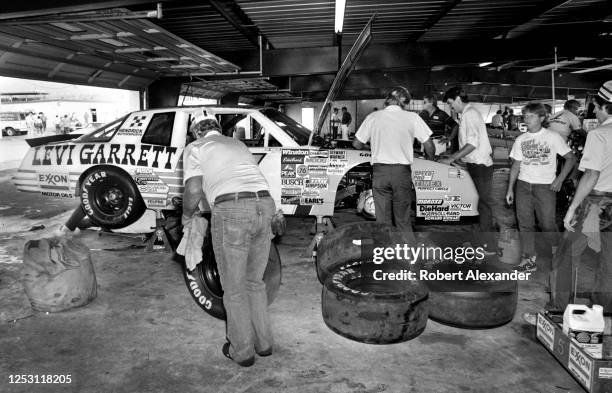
<point x="476" y="83"/>
<point x="504" y="84"/>
<point x="340" y="5"/>
<point x="486" y="63"/>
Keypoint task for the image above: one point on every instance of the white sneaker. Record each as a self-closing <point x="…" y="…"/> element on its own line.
<point x="528" y="264"/>
<point x="62" y="231"/>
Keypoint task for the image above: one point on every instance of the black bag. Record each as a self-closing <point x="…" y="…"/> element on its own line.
<point x="58" y="274"/>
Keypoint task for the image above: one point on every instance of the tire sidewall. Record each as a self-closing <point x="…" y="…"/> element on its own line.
<point x="98" y="178"/>
<point x="211" y="302"/>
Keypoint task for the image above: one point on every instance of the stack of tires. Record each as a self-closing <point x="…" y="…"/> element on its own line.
<point x="359" y="307"/>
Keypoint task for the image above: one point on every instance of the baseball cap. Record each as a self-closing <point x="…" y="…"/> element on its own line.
<point x="605" y="91"/>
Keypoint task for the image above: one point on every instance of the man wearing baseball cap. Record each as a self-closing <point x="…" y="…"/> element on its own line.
<point x="589" y="217"/>
<point x="222" y="171"/>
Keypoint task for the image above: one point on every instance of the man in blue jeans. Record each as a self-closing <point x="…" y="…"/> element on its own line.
<point x="534" y="155"/>
<point x="475" y="150"/>
<point x="223" y="171"/>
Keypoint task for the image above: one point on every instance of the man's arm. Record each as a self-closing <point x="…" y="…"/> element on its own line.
<point x="357" y="144"/>
<point x="454" y="132"/>
<point x="430" y="149"/>
<point x="464" y="151"/>
<point x="514" y="172"/>
<point x="570" y="161"/>
<point x="586" y="185"/>
<point x="191" y="197"/>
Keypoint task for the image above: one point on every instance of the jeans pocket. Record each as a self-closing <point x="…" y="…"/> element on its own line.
<point x="235" y="231"/>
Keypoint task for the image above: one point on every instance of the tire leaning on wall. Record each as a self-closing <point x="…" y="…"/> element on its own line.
<point x="356" y="306"/>
<point x="205" y="288"/>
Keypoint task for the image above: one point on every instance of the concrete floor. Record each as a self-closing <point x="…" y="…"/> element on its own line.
<point x="144" y="333"/>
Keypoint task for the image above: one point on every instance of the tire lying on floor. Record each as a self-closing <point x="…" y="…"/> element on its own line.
<point x="205" y="287"/>
<point x="358" y="307"/>
<point x="345" y="243"/>
<point x="473" y="304"/>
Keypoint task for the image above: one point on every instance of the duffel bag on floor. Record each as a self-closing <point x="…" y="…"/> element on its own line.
<point x="58" y="274"/>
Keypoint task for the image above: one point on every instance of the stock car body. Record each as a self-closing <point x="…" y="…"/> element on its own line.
<point x="134" y="164"/>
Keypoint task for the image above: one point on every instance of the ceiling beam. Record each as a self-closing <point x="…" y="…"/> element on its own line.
<point x="35" y="8"/>
<point x="322" y="60"/>
<point x="434" y="19"/>
<point x="599" y="68"/>
<point x="18" y="32"/>
<point x="62" y="60"/>
<point x="237" y="18"/>
<point x="530" y="23"/>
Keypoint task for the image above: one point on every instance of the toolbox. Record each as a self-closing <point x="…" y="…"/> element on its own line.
<point x="595" y="375"/>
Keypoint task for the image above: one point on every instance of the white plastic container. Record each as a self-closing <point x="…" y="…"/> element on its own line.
<point x="585" y="325"/>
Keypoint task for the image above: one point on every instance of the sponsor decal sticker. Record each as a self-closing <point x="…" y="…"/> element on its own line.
<point x="145" y="156"/>
<point x="545" y="332"/>
<point x="311" y="201"/>
<point x="429" y="201"/>
<point x="54" y="194"/>
<point x="288" y="170"/>
<point x="580" y="365"/>
<point x="292" y="182"/>
<point x="290" y="200"/>
<point x="455" y="173"/>
<point x="55" y="181"/>
<point x="316" y="183"/>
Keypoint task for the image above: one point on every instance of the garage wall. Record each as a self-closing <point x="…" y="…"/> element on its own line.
<point x="359" y="109"/>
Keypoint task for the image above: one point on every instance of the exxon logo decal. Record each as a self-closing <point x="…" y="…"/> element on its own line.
<point x="52" y="179"/>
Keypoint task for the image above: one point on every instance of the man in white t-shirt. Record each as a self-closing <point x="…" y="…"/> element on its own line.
<point x="223" y="171"/>
<point x="590" y="213"/>
<point x="475" y="150"/>
<point x="566" y="121"/>
<point x="391" y="134"/>
<point x="534" y="155"/>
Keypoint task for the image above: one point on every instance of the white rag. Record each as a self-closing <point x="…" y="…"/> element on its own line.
<point x="193" y="240"/>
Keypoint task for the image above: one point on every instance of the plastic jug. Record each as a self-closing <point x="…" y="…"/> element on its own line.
<point x="585" y="325"/>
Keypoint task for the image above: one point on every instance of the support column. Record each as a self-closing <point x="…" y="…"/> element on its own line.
<point x="164" y="92"/>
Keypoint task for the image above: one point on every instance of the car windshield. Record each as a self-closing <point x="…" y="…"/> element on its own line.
<point x="104" y="133"/>
<point x="295" y="130"/>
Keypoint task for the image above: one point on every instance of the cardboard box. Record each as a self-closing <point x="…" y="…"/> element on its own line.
<point x="595" y="375"/>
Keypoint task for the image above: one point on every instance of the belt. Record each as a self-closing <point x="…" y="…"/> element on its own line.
<point x="601" y="193"/>
<point x="241" y="195"/>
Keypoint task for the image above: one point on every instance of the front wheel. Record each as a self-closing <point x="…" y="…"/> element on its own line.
<point x="9" y="131"/>
<point x="205" y="287"/>
<point x="110" y="198"/>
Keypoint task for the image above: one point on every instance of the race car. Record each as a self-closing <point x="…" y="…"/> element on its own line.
<point x="135" y="163"/>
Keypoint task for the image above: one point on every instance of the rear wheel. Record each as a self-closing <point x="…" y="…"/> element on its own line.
<point x="10" y="131"/>
<point x="205" y="287"/>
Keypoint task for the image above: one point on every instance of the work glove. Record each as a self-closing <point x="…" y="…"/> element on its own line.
<point x="279" y="224"/>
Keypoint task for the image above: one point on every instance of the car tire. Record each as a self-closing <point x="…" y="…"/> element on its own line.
<point x="110" y="198"/>
<point x="473" y="304"/>
<point x="344" y="244"/>
<point x="358" y="307"/>
<point x="205" y="287"/>
<point x="10" y="131"/>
